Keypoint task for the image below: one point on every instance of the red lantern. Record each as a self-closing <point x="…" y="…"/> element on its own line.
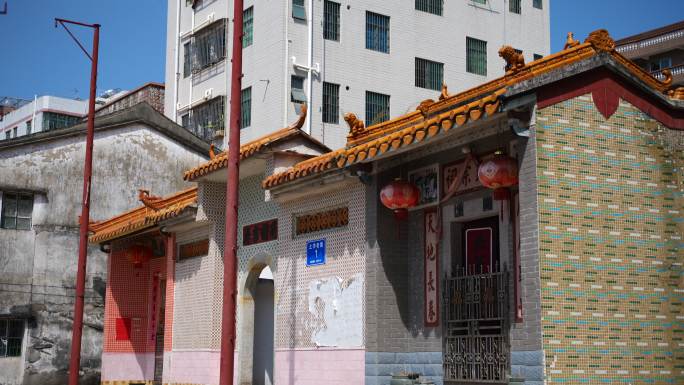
<point x="499" y="173"/>
<point x="138" y="254"/>
<point x="399" y="196"/>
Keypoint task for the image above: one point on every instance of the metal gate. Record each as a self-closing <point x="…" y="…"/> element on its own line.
<point x="477" y="343"/>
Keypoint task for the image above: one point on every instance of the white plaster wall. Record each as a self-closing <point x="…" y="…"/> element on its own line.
<point x="349" y="64"/>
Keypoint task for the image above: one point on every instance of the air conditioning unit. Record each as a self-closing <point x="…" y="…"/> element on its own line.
<point x="207" y="93"/>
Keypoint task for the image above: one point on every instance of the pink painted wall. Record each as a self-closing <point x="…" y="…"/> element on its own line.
<point x="193" y="367"/>
<point x="127" y="366"/>
<point x="320" y="367"/>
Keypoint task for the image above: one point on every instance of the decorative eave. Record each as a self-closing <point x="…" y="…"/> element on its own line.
<point x="252" y="148"/>
<point x="434" y="117"/>
<point x="145" y="216"/>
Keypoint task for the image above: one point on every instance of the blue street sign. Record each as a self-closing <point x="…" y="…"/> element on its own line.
<point x="315" y="252"/>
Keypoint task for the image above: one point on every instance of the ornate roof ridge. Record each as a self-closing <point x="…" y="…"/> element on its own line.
<point x="143" y="216"/>
<point x="448" y="111"/>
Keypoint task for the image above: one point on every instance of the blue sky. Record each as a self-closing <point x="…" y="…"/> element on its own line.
<point x="36" y="58"/>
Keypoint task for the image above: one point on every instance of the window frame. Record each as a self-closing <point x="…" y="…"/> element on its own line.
<point x="331" y="103"/>
<point x="246" y="113"/>
<point x="515" y="6"/>
<point x="435" y="7"/>
<point x="29" y="126"/>
<point x="371" y="117"/>
<point x="538" y="4"/>
<point x="208" y="35"/>
<point x="298" y="10"/>
<point x="16" y="216"/>
<point x="472" y="66"/>
<point x="331" y="29"/>
<point x="374" y="32"/>
<point x="187" y="59"/>
<point x="5" y="334"/>
<point x="297" y="91"/>
<point x="423" y="69"/>
<point x="248" y="27"/>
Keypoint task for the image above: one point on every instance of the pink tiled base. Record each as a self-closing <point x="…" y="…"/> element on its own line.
<point x="127" y="366"/>
<point x="320" y="367"/>
<point x="193" y="367"/>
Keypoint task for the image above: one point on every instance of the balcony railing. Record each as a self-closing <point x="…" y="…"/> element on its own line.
<point x="651" y="42"/>
<point x="676" y="70"/>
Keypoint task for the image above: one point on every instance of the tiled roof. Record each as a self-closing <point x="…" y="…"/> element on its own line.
<point x="247" y="150"/>
<point x="143" y="217"/>
<point x="435" y="117"/>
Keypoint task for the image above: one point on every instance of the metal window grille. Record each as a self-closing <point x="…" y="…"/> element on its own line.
<point x="54" y="121"/>
<point x="331" y="20"/>
<point x="429" y="74"/>
<point x="298" y="10"/>
<point x="514" y="6"/>
<point x="247" y="27"/>
<point x="187" y="59"/>
<point x="483" y="2"/>
<point x="11" y="336"/>
<point x="185" y="120"/>
<point x="377" y="32"/>
<point x="14" y="132"/>
<point x="29" y="127"/>
<point x="206" y="119"/>
<point x="246" y="102"/>
<point x="537" y="4"/>
<point x="377" y="108"/>
<point x="476" y="56"/>
<point x="16" y="211"/>
<point x="331" y="103"/>
<point x="431" y="6"/>
<point x="297" y="94"/>
<point x="209" y="46"/>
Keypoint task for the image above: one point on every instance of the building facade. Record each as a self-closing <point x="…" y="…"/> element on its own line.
<point x="374" y="58"/>
<point x="41" y="179"/>
<point x="657" y="50"/>
<point x="570" y="275"/>
<point x="44" y="113"/>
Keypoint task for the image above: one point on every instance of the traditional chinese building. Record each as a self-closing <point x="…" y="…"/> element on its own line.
<point x="525" y="230"/>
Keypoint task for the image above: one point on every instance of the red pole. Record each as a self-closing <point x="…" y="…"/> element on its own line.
<point x="230" y="244"/>
<point x="77" y="332"/>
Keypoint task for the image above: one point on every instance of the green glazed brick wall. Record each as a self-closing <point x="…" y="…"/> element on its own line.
<point x="611" y="249"/>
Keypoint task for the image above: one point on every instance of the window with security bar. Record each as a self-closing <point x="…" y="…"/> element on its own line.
<point x="208" y="46"/>
<point x="17" y="210"/>
<point x="207" y="118"/>
<point x="187" y="59"/>
<point x="429" y="74"/>
<point x="377" y="108"/>
<point x="11" y="337"/>
<point x="331" y="20"/>
<point x="537" y="4"/>
<point x="331" y="103"/>
<point x="247" y="27"/>
<point x="297" y="94"/>
<point x="514" y="6"/>
<point x="246" y="108"/>
<point x="377" y="32"/>
<point x="54" y="120"/>
<point x="431" y="6"/>
<point x="476" y="56"/>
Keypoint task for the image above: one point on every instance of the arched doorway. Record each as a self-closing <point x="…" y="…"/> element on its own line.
<point x="256" y="331"/>
<point x="262" y="345"/>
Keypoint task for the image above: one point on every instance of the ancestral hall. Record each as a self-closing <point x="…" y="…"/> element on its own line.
<point x="527" y="230"/>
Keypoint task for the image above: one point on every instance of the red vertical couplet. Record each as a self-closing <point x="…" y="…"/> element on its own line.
<point x="77" y="331"/>
<point x="230" y="244"/>
<point x="431" y="268"/>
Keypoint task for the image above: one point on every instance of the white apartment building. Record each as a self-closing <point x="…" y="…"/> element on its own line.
<point x="375" y="58"/>
<point x="44" y="113"/>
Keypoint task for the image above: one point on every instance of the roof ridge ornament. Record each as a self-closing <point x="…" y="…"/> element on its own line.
<point x="667" y="77"/>
<point x="445" y="92"/>
<point x="356" y="125"/>
<point x="212" y="154"/>
<point x="150" y="201"/>
<point x="302" y="117"/>
<point x="570" y="41"/>
<point x="601" y="40"/>
<point x="514" y="59"/>
<point x="424" y="107"/>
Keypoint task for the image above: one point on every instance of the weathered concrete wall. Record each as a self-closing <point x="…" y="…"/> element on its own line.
<point x="38" y="266"/>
